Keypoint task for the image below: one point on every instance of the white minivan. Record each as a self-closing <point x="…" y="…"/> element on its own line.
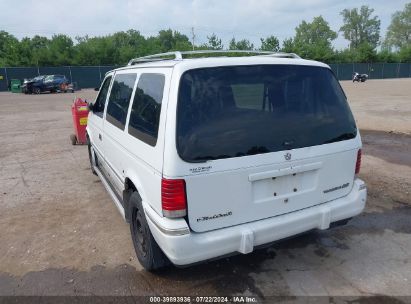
<point x="207" y="156"/>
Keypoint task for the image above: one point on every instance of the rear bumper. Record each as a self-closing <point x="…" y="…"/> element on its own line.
<point x="185" y="247"/>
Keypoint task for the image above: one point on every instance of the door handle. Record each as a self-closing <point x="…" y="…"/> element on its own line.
<point x="99" y="137"/>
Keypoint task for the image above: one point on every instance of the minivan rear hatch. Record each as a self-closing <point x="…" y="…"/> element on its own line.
<point x="266" y="139"/>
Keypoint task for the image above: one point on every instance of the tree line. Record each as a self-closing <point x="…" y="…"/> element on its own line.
<point x="313" y="40"/>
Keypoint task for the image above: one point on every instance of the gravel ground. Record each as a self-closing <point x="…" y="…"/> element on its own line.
<point x="60" y="234"/>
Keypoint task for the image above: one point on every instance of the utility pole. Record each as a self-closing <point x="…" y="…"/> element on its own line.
<point x="192" y="36"/>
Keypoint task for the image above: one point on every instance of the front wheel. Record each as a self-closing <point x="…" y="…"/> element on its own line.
<point x="91" y="157"/>
<point x="73" y="139"/>
<point x="148" y="252"/>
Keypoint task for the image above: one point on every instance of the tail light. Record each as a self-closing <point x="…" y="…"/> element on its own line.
<point x="358" y="163"/>
<point x="173" y="197"/>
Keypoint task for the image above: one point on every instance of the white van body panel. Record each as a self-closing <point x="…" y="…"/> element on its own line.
<point x="120" y="159"/>
<point x="95" y="125"/>
<point x="233" y="204"/>
<point x="195" y="247"/>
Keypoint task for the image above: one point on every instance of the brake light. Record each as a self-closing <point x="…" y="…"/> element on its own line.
<point x="173" y="197"/>
<point x="358" y="163"/>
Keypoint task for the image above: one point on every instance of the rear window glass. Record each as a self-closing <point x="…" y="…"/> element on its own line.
<point x="236" y="111"/>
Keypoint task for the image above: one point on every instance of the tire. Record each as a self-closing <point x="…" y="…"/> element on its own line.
<point x="149" y="254"/>
<point x="36" y="90"/>
<point x="73" y="139"/>
<point x="90" y="157"/>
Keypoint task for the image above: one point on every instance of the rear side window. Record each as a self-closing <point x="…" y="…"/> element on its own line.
<point x="235" y="111"/>
<point x="120" y="99"/>
<point x="145" y="112"/>
<point x="98" y="107"/>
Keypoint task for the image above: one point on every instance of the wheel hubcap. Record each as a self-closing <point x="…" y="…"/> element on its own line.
<point x="141" y="234"/>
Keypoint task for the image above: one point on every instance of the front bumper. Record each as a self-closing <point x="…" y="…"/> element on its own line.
<point x="184" y="247"/>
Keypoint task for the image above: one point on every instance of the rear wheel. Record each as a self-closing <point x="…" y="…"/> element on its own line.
<point x="148" y="252"/>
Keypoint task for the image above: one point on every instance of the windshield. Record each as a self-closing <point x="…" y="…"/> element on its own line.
<point x="236" y="111"/>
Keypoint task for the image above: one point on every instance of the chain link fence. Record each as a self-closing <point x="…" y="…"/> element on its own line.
<point x="91" y="76"/>
<point x="344" y="71"/>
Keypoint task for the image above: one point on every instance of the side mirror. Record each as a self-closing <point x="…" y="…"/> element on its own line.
<point x="96" y="89"/>
<point x="90" y="107"/>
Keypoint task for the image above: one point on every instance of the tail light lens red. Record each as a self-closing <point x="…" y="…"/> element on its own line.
<point x="173" y="197"/>
<point x="358" y="163"/>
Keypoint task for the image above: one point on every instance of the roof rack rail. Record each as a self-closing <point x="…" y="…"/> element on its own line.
<point x="177" y="55"/>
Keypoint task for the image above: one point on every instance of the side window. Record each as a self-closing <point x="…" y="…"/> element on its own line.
<point x="120" y="99"/>
<point x="145" y="112"/>
<point x="98" y="107"/>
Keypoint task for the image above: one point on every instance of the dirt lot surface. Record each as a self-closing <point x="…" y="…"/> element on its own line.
<point x="60" y="234"/>
<point x="383" y="105"/>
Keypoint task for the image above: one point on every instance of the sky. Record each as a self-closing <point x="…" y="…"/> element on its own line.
<point x="250" y="19"/>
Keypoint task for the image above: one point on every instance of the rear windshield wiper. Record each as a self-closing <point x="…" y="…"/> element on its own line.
<point x="200" y="159"/>
<point x="257" y="150"/>
<point x="344" y="136"/>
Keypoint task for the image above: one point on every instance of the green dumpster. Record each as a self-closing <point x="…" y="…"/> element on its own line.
<point x="15" y="86"/>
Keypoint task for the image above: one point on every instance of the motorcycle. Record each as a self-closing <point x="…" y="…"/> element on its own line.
<point x="359" y="77"/>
